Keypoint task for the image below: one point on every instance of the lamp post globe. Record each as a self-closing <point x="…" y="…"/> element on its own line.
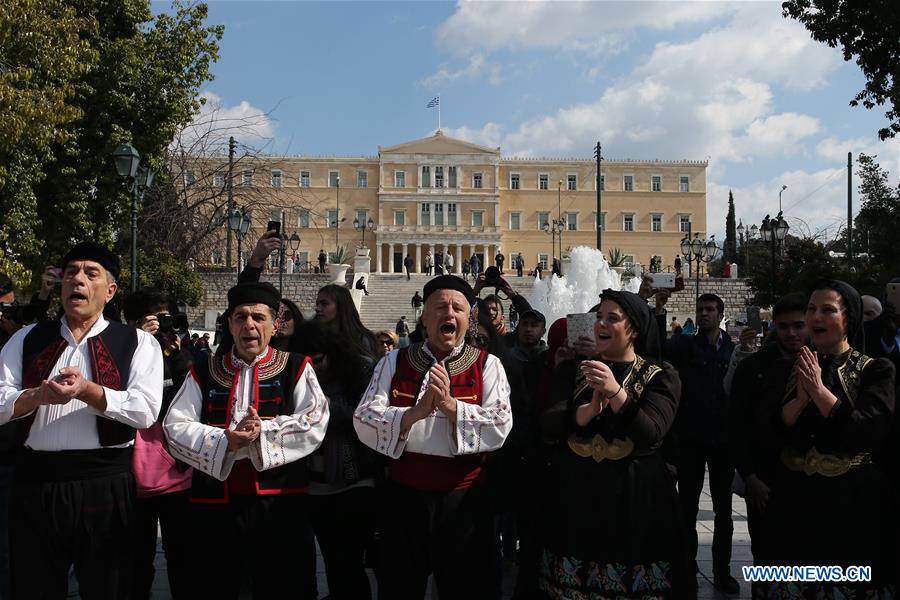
<point x="127" y="160"/>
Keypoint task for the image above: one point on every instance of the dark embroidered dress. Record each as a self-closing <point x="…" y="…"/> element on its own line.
<point x="615" y="529"/>
<point x="831" y="504"/>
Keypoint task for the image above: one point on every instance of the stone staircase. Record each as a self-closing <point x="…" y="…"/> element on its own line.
<point x="390" y="294"/>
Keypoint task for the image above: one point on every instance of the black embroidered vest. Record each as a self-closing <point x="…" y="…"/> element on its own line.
<point x="275" y="377"/>
<point x="110" y="354"/>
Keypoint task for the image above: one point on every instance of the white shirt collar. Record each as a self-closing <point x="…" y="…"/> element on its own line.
<point x="239" y="362"/>
<point x="67" y="334"/>
<point x="453" y="353"/>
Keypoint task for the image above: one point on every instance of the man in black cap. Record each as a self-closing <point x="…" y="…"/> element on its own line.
<point x="78" y="388"/>
<point x="243" y="421"/>
<point x="436" y="409"/>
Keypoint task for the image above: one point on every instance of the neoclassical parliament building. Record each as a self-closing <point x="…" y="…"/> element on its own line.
<point x="443" y="194"/>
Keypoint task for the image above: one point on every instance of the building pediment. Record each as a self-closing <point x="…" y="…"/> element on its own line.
<point x="439" y="144"/>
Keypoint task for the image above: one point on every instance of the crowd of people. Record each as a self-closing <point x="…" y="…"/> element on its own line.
<point x="461" y="442"/>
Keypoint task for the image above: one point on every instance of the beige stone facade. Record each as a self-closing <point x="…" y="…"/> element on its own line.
<point x="439" y="193"/>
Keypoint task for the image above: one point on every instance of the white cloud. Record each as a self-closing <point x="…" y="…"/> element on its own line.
<point x="477" y="66"/>
<point x="488" y="136"/>
<point x="888" y="152"/>
<point x="216" y="122"/>
<point x="583" y="27"/>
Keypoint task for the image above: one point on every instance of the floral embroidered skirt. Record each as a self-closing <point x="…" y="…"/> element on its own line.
<point x="570" y="578"/>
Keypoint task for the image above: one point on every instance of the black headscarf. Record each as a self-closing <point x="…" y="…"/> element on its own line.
<point x="853" y="304"/>
<point x="642" y="320"/>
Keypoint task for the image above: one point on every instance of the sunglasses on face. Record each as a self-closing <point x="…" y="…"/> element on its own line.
<point x="386" y="342"/>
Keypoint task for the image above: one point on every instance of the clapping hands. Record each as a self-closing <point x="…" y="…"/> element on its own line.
<point x="245" y="432"/>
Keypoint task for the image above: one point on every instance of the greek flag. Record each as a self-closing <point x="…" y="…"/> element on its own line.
<point x="436" y="101"/>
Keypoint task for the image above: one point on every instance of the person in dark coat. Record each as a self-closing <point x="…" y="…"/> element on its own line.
<point x="614" y="529"/>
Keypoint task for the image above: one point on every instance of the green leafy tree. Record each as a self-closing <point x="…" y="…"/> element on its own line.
<point x="869" y="31"/>
<point x="805" y="260"/>
<point x="730" y="249"/>
<point x="161" y="269"/>
<point x="140" y="86"/>
<point x="42" y="56"/>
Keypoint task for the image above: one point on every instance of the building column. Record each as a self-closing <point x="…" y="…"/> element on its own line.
<point x="418" y="258"/>
<point x="405" y="254"/>
<point x="488" y="255"/>
<point x="378" y="249"/>
<point x="497" y="216"/>
<point x="457" y="268"/>
<point x="390" y="258"/>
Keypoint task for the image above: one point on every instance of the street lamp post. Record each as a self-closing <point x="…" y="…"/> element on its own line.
<point x="699" y="251"/>
<point x="365" y="226"/>
<point x="553" y="227"/>
<point x="784" y="187"/>
<point x="127" y="161"/>
<point x="773" y="232"/>
<point x="239" y="223"/>
<point x="294" y="242"/>
<point x="337" y="216"/>
<point x="559" y="213"/>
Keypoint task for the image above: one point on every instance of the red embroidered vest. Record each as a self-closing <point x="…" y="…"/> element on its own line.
<point x="426" y="471"/>
<point x="275" y="376"/>
<point x="110" y="353"/>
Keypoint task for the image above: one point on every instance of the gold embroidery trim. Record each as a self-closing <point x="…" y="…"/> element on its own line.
<point x="813" y="462"/>
<point x="421" y="362"/>
<point x="599" y="448"/>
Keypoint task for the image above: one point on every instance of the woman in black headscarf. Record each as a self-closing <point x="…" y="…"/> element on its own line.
<point x="614" y="529"/>
<point x="831" y="505"/>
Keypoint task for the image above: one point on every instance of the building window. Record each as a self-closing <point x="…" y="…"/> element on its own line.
<point x="276" y="214"/>
<point x="477" y="181"/>
<point x="572" y="221"/>
<point x="602" y="182"/>
<point x="451" y="177"/>
<point x="247" y="178"/>
<point x="684" y="223"/>
<point x="216" y="257"/>
<point x="332" y="215"/>
<point x="656" y="222"/>
<point x="218" y="180"/>
<point x="400" y="179"/>
<point x="303" y="218"/>
<point x="572" y="182"/>
<point x="628" y="222"/>
<point x="190" y="178"/>
<point x="684" y="184"/>
<point x="362" y="217"/>
<point x="477" y="218"/>
<point x="543" y="181"/>
<point x="362" y="179"/>
<point x="451" y="214"/>
<point x="515" y="221"/>
<point x="543" y="219"/>
<point x="601" y="221"/>
<point x="628" y="183"/>
<point x="334" y="178"/>
<point x="399" y="217"/>
<point x="276" y="178"/>
<point x="304" y="178"/>
<point x="542" y="261"/>
<point x="439" y="177"/>
<point x="514" y="181"/>
<point x="656" y="183"/>
<point x="439" y="214"/>
<point x="425" y="219"/>
<point x="426" y="176"/>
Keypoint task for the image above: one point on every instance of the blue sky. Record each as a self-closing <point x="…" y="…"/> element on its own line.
<point x="734" y="82"/>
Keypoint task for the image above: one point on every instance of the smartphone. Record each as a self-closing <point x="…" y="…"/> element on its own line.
<point x="892" y="295"/>
<point x="578" y="325"/>
<point x="274" y="226"/>
<point x="663" y="281"/>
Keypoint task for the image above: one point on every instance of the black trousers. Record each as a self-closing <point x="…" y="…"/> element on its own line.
<point x="449" y="534"/>
<point x="262" y="542"/>
<point x="88" y="523"/>
<point x="691" y="472"/>
<point x="344" y="525"/>
<point x="171" y="512"/>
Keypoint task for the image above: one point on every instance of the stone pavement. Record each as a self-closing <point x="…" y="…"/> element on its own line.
<point x="740" y="556"/>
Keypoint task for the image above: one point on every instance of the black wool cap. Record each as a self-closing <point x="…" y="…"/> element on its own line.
<point x="96" y="253"/>
<point x="533" y="314"/>
<point x="253" y="293"/>
<point x="448" y="282"/>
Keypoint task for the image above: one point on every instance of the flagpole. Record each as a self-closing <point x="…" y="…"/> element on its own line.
<point x="439" y="112"/>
